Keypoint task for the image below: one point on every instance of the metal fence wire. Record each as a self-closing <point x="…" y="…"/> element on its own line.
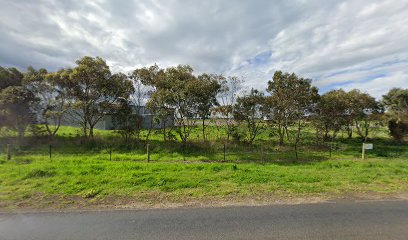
<point x="154" y="152"/>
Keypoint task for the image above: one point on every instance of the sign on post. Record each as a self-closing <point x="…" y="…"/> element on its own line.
<point x="366" y="146"/>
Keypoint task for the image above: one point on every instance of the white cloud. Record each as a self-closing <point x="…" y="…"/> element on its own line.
<point x="354" y="43"/>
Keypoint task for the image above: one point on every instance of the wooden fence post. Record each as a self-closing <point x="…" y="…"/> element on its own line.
<point x="50" y="151"/>
<point x="225" y="150"/>
<point x="148" y="152"/>
<point x="363" y="152"/>
<point x="110" y="152"/>
<point x="331" y="146"/>
<point x="8" y="152"/>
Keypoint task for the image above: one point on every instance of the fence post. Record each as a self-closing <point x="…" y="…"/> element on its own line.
<point x="363" y="152"/>
<point x="50" y="151"/>
<point x="262" y="153"/>
<point x="225" y="150"/>
<point x="110" y="152"/>
<point x="148" y="152"/>
<point x="8" y="152"/>
<point x="330" y="149"/>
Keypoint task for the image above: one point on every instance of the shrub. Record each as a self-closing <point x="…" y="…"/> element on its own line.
<point x="398" y="129"/>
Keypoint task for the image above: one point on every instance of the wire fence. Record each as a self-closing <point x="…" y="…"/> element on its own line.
<point x="204" y="152"/>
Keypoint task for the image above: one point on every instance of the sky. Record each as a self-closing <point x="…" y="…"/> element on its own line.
<point x="338" y="44"/>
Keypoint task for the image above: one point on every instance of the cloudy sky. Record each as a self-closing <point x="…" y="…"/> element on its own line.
<point x="339" y="44"/>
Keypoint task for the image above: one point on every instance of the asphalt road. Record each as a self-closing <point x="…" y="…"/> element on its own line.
<point x="353" y="220"/>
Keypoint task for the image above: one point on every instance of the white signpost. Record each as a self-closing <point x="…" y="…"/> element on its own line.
<point x="366" y="146"/>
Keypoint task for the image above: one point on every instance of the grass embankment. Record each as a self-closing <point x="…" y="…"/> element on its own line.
<point x="63" y="182"/>
<point x="79" y="175"/>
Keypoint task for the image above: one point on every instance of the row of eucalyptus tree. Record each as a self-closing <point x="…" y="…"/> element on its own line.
<point x="89" y="91"/>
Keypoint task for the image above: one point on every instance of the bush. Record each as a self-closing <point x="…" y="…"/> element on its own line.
<point x="236" y="134"/>
<point x="398" y="129"/>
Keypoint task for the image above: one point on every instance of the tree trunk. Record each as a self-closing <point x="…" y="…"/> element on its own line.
<point x="164" y="129"/>
<point x="57" y="127"/>
<point x="91" y="128"/>
<point x="287" y="133"/>
<point x="280" y="132"/>
<point x="85" y="130"/>
<point x="367" y="126"/>
<point x="296" y="152"/>
<point x="228" y="131"/>
<point x="149" y="132"/>
<point x="252" y="132"/>
<point x="297" y="139"/>
<point x="326" y="133"/>
<point x="350" y="131"/>
<point x="204" y="129"/>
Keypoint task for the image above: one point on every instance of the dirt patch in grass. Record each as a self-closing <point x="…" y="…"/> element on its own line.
<point x="163" y="201"/>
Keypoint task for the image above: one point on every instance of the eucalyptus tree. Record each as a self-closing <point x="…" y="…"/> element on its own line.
<point x="364" y="111"/>
<point x="52" y="94"/>
<point x="230" y="88"/>
<point x="304" y="102"/>
<point x="152" y="79"/>
<point x="15" y="109"/>
<point x="250" y="110"/>
<point x="126" y="122"/>
<point x="332" y="113"/>
<point x="290" y="102"/>
<point x="95" y="91"/>
<point x="207" y="97"/>
<point x="280" y="102"/>
<point x="16" y="102"/>
<point x="176" y="90"/>
<point x="181" y="92"/>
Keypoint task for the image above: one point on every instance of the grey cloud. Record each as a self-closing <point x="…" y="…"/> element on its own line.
<point x="313" y="38"/>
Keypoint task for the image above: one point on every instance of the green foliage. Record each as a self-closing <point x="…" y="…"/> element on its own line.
<point x="398" y="129"/>
<point x="52" y="94"/>
<point x="95" y="91"/>
<point x="332" y="113"/>
<point x="250" y="109"/>
<point x="177" y="90"/>
<point x="104" y="166"/>
<point x="10" y="77"/>
<point x="127" y="121"/>
<point x="396" y="104"/>
<point x="15" y="109"/>
<point x="236" y="133"/>
<point x="291" y="100"/>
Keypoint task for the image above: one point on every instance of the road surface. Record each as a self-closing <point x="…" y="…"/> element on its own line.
<point x="352" y="220"/>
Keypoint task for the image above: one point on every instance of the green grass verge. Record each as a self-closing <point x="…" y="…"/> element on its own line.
<point x="89" y="178"/>
<point x="83" y="170"/>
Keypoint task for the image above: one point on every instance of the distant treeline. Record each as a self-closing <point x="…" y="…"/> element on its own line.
<point x="89" y="91"/>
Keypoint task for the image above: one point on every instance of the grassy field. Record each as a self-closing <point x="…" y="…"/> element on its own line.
<point x="82" y="173"/>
